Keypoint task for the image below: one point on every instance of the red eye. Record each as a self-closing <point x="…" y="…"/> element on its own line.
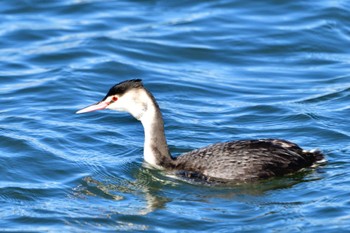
<point x="114" y="98"/>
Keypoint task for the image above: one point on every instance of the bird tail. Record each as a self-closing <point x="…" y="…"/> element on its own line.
<point x="315" y="156"/>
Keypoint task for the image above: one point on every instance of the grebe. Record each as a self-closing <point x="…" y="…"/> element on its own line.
<point x="236" y="161"/>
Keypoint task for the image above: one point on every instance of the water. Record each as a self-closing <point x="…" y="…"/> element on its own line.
<point x="220" y="70"/>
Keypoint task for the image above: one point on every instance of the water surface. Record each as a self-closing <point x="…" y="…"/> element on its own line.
<point x="220" y="70"/>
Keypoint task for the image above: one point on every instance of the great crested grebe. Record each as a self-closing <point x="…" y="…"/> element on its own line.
<point x="236" y="161"/>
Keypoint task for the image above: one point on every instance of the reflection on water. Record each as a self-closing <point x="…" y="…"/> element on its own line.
<point x="220" y="70"/>
<point x="150" y="187"/>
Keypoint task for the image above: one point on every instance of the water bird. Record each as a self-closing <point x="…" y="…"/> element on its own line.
<point x="234" y="161"/>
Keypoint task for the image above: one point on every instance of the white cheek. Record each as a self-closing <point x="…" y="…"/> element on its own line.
<point x="117" y="107"/>
<point x="134" y="107"/>
<point x="137" y="110"/>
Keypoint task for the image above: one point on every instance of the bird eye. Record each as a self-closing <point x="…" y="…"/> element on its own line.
<point x="114" y="98"/>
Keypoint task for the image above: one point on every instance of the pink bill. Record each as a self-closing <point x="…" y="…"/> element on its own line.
<point x="99" y="106"/>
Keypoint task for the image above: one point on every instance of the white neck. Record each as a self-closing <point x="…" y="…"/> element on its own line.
<point x="141" y="104"/>
<point x="156" y="151"/>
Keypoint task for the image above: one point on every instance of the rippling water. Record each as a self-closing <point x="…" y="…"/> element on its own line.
<point x="221" y="70"/>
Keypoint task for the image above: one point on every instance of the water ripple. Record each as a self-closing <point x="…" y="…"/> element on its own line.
<point x="220" y="70"/>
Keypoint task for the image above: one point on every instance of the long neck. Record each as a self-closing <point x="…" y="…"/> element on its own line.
<point x="156" y="150"/>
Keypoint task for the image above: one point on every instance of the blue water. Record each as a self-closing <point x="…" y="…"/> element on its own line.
<point x="220" y="70"/>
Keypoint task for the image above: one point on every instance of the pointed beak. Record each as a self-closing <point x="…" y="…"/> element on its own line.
<point x="98" y="106"/>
